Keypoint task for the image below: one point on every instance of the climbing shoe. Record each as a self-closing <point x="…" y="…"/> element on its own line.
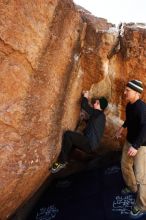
<point x="126" y="191"/>
<point x="57" y="167"/>
<point x="136" y="213"/>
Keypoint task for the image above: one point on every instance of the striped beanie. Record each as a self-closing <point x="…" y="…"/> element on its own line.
<point x="136" y="85"/>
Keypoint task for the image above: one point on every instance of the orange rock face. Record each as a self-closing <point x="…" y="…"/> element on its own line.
<point x="49" y="52"/>
<point x="38" y="43"/>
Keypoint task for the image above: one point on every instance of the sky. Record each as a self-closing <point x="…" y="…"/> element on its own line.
<point x="116" y="11"/>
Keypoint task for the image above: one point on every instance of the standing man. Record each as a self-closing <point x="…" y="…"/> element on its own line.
<point x="133" y="163"/>
<point x="90" y="139"/>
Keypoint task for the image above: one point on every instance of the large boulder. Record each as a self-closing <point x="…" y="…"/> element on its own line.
<point x="49" y="52"/>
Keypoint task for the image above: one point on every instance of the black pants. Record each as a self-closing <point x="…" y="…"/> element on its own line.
<point x="72" y="140"/>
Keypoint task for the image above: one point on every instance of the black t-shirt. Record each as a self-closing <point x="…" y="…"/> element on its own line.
<point x="136" y="123"/>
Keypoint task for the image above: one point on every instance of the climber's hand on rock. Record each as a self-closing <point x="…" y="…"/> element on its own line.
<point x="86" y="94"/>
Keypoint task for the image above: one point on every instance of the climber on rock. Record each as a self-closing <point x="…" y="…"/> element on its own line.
<point x="91" y="137"/>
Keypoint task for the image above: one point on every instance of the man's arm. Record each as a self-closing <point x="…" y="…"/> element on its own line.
<point x="85" y="105"/>
<point x="141" y="135"/>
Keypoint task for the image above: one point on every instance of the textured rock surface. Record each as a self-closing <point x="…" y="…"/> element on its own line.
<point x="37" y="46"/>
<point x="49" y="52"/>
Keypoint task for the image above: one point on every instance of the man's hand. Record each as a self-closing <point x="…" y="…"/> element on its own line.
<point x="119" y="133"/>
<point x="86" y="94"/>
<point x="132" y="152"/>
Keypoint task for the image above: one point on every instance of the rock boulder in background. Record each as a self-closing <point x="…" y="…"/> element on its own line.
<point x="49" y="52"/>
